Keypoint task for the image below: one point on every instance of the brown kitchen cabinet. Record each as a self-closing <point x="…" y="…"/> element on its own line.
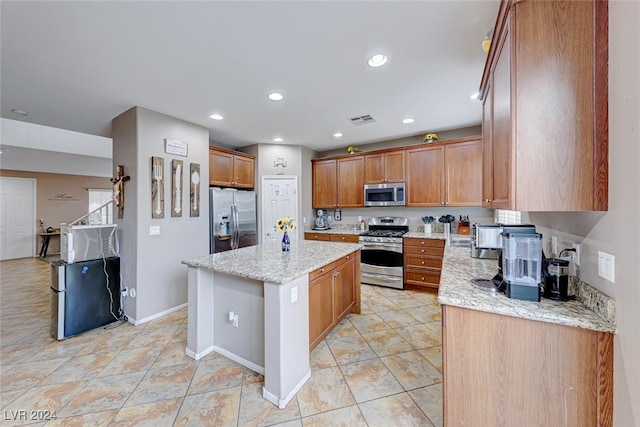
<point x="545" y="107"/>
<point x="334" y="291"/>
<point x="422" y="263"/>
<point x="332" y="237"/>
<point x="338" y="183"/>
<point x="448" y="174"/>
<point x="383" y="168"/>
<point x="230" y="169"/>
<point x="501" y="370"/>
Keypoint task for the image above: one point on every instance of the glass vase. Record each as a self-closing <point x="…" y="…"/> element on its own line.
<point x="286" y="243"/>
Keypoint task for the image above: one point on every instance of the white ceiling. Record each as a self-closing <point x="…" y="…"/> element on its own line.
<point x="77" y="65"/>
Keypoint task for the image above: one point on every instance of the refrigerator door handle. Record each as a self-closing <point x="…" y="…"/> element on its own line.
<point x="232" y="227"/>
<point x="236" y="221"/>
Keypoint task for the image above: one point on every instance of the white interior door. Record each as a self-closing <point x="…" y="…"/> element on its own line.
<point x="279" y="199"/>
<point x="17" y="218"/>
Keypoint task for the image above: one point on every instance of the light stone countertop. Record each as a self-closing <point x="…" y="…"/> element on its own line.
<point x="268" y="263"/>
<point x="458" y="268"/>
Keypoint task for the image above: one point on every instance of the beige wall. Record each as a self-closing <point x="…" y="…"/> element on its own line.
<point x="615" y="231"/>
<point x="59" y="198"/>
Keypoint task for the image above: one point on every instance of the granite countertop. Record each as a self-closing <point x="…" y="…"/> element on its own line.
<point x="458" y="268"/>
<point x="268" y="263"/>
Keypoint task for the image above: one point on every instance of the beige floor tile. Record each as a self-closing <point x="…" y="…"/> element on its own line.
<point x="412" y="370"/>
<point x="256" y="411"/>
<point x="369" y="323"/>
<point x="425" y="313"/>
<point x="96" y="419"/>
<point x="398" y="318"/>
<point x="292" y="423"/>
<point x="17" y="353"/>
<point x="326" y="390"/>
<point x="162" y="384"/>
<point x="215" y="408"/>
<point x="102" y="394"/>
<point x="370" y="380"/>
<point x="433" y="355"/>
<point x="156" y="337"/>
<point x="343" y="329"/>
<point x="398" y="411"/>
<point x="173" y="354"/>
<point x="365" y="309"/>
<point x="426" y="297"/>
<point x="419" y="336"/>
<point x="429" y="400"/>
<point x="48" y="399"/>
<point x="215" y="376"/>
<point x="251" y="377"/>
<point x="350" y="349"/>
<point x="6" y="397"/>
<point x="435" y="327"/>
<point x="321" y="357"/>
<point x="131" y="360"/>
<point x="26" y="375"/>
<point x="108" y="342"/>
<point x="388" y="342"/>
<point x="406" y="301"/>
<point x="162" y="413"/>
<point x="80" y="368"/>
<point x="380" y="303"/>
<point x="343" y="417"/>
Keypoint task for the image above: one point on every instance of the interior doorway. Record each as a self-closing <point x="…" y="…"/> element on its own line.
<point x="279" y="194"/>
<point x="17" y="218"/>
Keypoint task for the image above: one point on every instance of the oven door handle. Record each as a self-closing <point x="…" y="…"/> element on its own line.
<point x="382" y="246"/>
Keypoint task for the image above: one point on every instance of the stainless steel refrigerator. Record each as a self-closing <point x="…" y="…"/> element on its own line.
<point x="232" y="219"/>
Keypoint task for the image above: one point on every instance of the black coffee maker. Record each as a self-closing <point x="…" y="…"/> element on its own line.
<point x="556" y="278"/>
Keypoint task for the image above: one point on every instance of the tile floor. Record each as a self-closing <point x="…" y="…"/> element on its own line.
<point x="380" y="368"/>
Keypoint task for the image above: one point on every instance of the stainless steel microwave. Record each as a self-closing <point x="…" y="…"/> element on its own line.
<point x="391" y="194"/>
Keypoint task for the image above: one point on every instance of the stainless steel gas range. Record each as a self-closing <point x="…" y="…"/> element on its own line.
<point x="382" y="258"/>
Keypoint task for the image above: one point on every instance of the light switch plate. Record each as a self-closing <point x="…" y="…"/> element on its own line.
<point x="606" y="266"/>
<point x="154" y="230"/>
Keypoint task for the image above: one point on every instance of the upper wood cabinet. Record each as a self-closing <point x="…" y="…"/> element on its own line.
<point x="545" y="107"/>
<point x="384" y="167"/>
<point x="230" y="169"/>
<point x="445" y="175"/>
<point x="338" y="183"/>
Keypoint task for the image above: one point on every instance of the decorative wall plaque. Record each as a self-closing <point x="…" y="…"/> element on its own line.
<point x="194" y="179"/>
<point x="157" y="187"/>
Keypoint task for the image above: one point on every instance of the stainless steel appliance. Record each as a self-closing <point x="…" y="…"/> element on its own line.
<point x="232" y="219"/>
<point x="87" y="242"/>
<point x="486" y="239"/>
<point x="390" y="194"/>
<point x="84" y="295"/>
<point x="322" y="220"/>
<point x="382" y="255"/>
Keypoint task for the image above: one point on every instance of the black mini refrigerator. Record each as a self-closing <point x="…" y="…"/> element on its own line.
<point x="84" y="295"/>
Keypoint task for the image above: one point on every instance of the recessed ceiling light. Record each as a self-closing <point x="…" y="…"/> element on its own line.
<point x="377" y="60"/>
<point x="216" y="117"/>
<point x="337" y="135"/>
<point x="475" y="96"/>
<point x="20" y="112"/>
<point x="275" y="96"/>
<point x="278" y="139"/>
<point x="408" y="121"/>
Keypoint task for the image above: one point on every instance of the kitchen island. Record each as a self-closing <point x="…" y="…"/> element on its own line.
<point x="514" y="362"/>
<point x="252" y="306"/>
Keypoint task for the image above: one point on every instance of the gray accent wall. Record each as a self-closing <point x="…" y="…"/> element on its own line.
<point x="152" y="264"/>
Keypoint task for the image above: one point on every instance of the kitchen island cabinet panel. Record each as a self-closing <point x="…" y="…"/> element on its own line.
<point x="321" y="313"/>
<point x="502" y="370"/>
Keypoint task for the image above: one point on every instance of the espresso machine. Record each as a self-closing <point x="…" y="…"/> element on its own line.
<point x="322" y="220"/>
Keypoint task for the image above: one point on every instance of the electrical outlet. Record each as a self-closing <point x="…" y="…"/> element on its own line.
<point x="132" y="292"/>
<point x="554" y="245"/>
<point x="576" y="254"/>
<point x="606" y="266"/>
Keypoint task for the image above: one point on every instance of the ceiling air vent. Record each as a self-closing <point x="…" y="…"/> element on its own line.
<point x="362" y="120"/>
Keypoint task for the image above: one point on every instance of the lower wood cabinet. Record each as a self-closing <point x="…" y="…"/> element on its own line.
<point x="329" y="237"/>
<point x="422" y="263"/>
<point x="334" y="291"/>
<point x="507" y="371"/>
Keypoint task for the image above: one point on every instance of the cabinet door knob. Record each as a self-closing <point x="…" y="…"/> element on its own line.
<point x="422" y="262"/>
<point x="422" y="250"/>
<point x="422" y="278"/>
